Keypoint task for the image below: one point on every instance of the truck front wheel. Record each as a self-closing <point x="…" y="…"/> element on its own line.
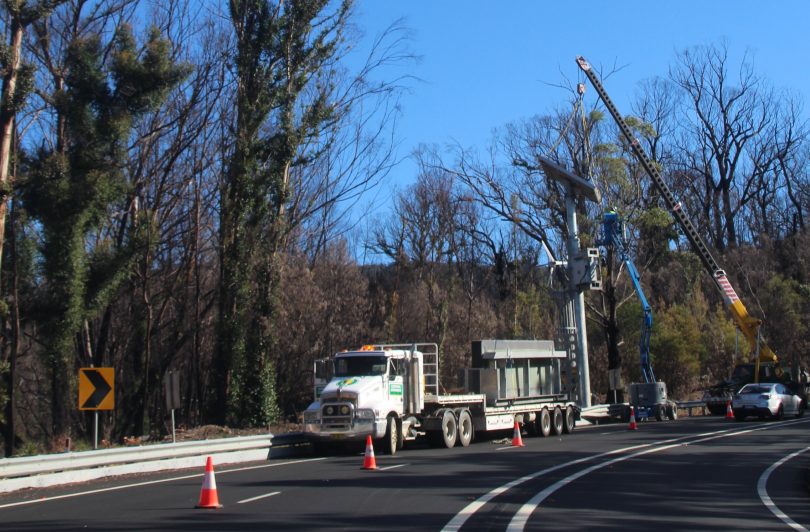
<point x="391" y="440"/>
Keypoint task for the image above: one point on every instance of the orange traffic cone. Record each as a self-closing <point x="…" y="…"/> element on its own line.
<point x="633" y="425"/>
<point x="208" y="493"/>
<point x="369" y="462"/>
<point x="517" y="440"/>
<point x="729" y="411"/>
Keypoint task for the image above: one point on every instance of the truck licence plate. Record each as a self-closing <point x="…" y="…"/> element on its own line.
<point x="338" y="436"/>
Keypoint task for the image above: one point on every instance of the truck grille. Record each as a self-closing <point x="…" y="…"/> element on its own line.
<point x="337" y="416"/>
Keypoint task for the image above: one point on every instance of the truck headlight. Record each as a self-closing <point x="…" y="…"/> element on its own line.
<point x="344" y="410"/>
<point x="365" y="413"/>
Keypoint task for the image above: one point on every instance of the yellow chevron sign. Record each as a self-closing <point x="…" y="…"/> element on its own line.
<point x="96" y="388"/>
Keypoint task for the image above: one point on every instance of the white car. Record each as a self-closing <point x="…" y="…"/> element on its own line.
<point x="771" y="399"/>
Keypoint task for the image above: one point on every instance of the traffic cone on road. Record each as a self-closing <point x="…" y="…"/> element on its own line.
<point x="208" y="493"/>
<point x="633" y="425"/>
<point x="369" y="462"/>
<point x="517" y="440"/>
<point x="729" y="411"/>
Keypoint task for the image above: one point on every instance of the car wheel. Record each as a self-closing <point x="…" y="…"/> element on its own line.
<point x="780" y="413"/>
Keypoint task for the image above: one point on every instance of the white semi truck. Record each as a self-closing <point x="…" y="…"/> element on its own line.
<point x="392" y="393"/>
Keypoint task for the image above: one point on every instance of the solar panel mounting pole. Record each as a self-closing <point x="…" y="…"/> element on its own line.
<point x="578" y="278"/>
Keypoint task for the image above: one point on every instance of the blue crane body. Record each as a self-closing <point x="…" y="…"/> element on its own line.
<point x="614" y="235"/>
<point x="650" y="397"/>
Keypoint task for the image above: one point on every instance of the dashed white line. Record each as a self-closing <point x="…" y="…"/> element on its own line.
<point x="150" y="482"/>
<point x="386" y="468"/>
<point x="243" y="501"/>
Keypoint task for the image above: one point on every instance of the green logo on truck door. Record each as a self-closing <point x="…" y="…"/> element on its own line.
<point x="395" y="389"/>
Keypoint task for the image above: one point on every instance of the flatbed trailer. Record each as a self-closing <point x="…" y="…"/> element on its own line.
<point x="390" y="392"/>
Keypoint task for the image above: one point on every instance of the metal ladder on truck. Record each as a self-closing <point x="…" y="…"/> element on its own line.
<point x="747" y="324"/>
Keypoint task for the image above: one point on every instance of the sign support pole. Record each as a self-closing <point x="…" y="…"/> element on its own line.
<point x="95" y="430"/>
<point x="173" y="437"/>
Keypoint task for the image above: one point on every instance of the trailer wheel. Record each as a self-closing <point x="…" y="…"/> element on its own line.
<point x="391" y="440"/>
<point x="449" y="429"/>
<point x="400" y="436"/>
<point x="543" y="422"/>
<point x="570" y="420"/>
<point x="465" y="428"/>
<point x="672" y="412"/>
<point x="659" y="412"/>
<point x="557" y="421"/>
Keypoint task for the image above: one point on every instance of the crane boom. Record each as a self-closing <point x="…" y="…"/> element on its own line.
<point x="613" y="229"/>
<point x="748" y="325"/>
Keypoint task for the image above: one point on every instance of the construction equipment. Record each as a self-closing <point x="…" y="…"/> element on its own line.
<point x="747" y="324"/>
<point x="647" y="398"/>
<point x="391" y="393"/>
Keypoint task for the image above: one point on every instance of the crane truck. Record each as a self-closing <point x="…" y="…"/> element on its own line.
<point x="393" y="394"/>
<point x="648" y="398"/>
<point x="747" y="324"/>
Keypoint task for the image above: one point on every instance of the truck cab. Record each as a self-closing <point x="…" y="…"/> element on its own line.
<point x="368" y="393"/>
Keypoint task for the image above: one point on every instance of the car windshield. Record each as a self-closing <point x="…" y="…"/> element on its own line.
<point x="756" y="388"/>
<point x="355" y="366"/>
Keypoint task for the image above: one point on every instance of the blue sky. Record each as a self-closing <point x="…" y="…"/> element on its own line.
<point x="485" y="64"/>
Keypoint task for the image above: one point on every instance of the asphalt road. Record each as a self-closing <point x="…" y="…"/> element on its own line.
<point x="691" y="474"/>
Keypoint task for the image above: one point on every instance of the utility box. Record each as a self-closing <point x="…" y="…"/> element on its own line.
<point x="648" y="394"/>
<point x="586" y="271"/>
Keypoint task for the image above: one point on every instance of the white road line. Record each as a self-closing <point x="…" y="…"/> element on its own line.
<point x="508" y="447"/>
<point x="460" y="518"/>
<point x="391" y="467"/>
<point x="521" y="517"/>
<point x="762" y="490"/>
<point x="258" y="497"/>
<point x="150" y="482"/>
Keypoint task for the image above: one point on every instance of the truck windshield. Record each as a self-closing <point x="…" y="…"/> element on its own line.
<point x="356" y="366"/>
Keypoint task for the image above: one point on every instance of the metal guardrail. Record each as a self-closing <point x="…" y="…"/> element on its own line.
<point x="602" y="411"/>
<point x="52" y="470"/>
<point x="49" y="470"/>
<point x="689" y="405"/>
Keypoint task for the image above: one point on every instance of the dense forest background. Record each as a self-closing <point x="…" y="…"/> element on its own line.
<point x="182" y="184"/>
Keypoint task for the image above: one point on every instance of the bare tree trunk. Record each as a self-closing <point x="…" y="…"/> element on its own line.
<point x="7" y="115"/>
<point x="10" y="432"/>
